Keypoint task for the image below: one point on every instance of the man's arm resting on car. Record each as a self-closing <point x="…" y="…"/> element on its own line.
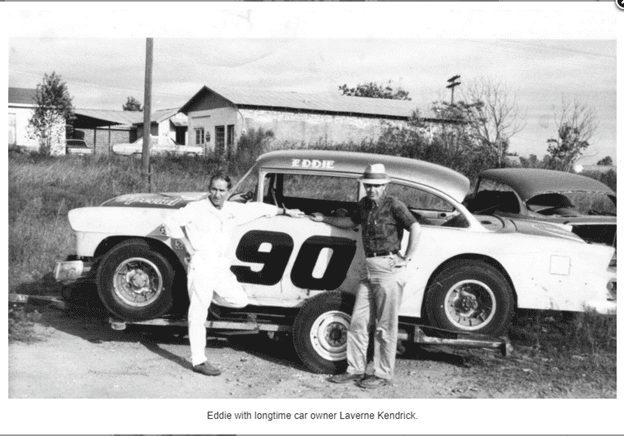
<point x="336" y="221"/>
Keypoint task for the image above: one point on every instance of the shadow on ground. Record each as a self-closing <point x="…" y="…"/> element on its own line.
<point x="86" y="317"/>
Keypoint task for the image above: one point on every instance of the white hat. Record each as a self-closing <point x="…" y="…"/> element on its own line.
<point x="375" y="174"/>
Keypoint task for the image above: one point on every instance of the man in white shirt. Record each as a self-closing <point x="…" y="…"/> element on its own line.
<point x="207" y="226"/>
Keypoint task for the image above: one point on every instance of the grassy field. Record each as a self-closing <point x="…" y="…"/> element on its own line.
<point x="550" y="347"/>
<point x="43" y="190"/>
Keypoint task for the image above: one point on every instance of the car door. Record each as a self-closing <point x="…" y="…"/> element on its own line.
<point x="282" y="260"/>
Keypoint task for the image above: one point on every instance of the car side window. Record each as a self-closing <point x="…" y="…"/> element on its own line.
<point x="330" y="195"/>
<point x="426" y="207"/>
<point x="320" y="187"/>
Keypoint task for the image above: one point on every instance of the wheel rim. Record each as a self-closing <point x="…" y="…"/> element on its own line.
<point x="137" y="282"/>
<point x="470" y="305"/>
<point x="328" y="335"/>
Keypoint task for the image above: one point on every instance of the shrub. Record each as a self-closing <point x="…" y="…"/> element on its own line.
<point x="250" y="145"/>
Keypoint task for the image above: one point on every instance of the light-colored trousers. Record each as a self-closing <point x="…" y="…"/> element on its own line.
<point x="376" y="310"/>
<point x="209" y="279"/>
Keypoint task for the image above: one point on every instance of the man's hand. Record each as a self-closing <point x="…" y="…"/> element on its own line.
<point x="318" y="217"/>
<point x="294" y="213"/>
<point x="400" y="261"/>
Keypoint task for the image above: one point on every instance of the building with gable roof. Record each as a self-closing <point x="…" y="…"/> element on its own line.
<point x="217" y="117"/>
<point x="21" y="108"/>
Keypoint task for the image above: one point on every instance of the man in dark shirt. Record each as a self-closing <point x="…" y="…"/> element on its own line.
<point x="383" y="219"/>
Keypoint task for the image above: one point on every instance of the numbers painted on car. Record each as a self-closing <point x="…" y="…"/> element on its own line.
<point x="273" y="251"/>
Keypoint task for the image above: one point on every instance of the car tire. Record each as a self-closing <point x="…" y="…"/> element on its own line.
<point x="470" y="296"/>
<point x="320" y="332"/>
<point x="135" y="282"/>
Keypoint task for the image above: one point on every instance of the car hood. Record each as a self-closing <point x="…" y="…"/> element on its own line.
<point x="166" y="200"/>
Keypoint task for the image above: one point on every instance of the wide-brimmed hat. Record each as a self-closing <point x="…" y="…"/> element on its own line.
<point x="375" y="174"/>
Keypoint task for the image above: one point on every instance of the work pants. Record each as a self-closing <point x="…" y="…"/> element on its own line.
<point x="376" y="311"/>
<point x="209" y="279"/>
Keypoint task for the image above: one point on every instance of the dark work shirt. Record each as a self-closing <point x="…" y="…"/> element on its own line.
<point x="383" y="225"/>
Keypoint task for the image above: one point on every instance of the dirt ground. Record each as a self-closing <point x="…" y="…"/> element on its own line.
<point x="75" y="354"/>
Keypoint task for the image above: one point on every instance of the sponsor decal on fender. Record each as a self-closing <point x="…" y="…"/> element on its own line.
<point x="154" y="201"/>
<point x="148" y="201"/>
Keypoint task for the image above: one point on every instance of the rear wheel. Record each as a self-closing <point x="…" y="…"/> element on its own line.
<point x="320" y="332"/>
<point x="135" y="282"/>
<point x="470" y="296"/>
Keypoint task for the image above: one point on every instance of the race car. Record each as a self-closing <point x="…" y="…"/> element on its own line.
<point x="469" y="274"/>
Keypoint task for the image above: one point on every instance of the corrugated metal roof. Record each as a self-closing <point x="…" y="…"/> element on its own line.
<point x="113" y="116"/>
<point x="163" y="114"/>
<point x="292" y="100"/>
<point x="21" y="96"/>
<point x="130" y="117"/>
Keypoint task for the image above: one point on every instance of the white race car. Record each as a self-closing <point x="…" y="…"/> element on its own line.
<point x="469" y="274"/>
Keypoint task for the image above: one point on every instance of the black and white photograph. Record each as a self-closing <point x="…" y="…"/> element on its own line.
<point x="238" y="217"/>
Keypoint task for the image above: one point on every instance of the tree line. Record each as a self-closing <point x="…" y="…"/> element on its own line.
<point x="475" y="130"/>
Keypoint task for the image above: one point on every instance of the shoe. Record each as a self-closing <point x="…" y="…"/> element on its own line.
<point x="345" y="377"/>
<point x="373" y="382"/>
<point x="206" y="369"/>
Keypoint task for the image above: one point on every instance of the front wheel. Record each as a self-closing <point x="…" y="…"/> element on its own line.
<point x="320" y="332"/>
<point x="470" y="296"/>
<point x="135" y="282"/>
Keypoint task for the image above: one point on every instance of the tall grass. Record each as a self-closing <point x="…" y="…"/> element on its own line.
<point x="42" y="191"/>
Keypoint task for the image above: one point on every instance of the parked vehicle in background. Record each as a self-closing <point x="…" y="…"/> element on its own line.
<point x="470" y="274"/>
<point x="77" y="146"/>
<point x="584" y="204"/>
<point x="159" y="145"/>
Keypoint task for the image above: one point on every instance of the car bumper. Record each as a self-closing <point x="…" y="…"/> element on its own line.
<point x="68" y="271"/>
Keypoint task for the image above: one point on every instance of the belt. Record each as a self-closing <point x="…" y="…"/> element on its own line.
<point x="381" y="253"/>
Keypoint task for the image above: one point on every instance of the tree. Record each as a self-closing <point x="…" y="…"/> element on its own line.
<point x="132" y="105"/>
<point x="53" y="109"/>
<point x="606" y="161"/>
<point x="531" y="162"/>
<point x="453" y="146"/>
<point x="494" y="113"/>
<point x="576" y="124"/>
<point x="375" y="90"/>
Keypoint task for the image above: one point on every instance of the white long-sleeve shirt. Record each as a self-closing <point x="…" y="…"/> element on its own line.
<point x="209" y="229"/>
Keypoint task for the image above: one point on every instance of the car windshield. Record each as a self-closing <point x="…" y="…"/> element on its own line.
<point x="246" y="184"/>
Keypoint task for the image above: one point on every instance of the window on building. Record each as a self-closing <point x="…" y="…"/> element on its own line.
<point x="220" y="141"/>
<point x="230" y="137"/>
<point x="199" y="136"/>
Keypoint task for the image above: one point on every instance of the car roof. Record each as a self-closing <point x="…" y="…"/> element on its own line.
<point x="529" y="182"/>
<point x="436" y="176"/>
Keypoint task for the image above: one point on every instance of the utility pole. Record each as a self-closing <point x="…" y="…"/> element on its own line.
<point x="453" y="82"/>
<point x="147" y="112"/>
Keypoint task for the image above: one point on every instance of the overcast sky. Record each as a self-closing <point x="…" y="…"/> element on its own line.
<point x="102" y="72"/>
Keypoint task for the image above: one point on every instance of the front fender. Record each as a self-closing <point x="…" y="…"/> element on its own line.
<point x="93" y="225"/>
